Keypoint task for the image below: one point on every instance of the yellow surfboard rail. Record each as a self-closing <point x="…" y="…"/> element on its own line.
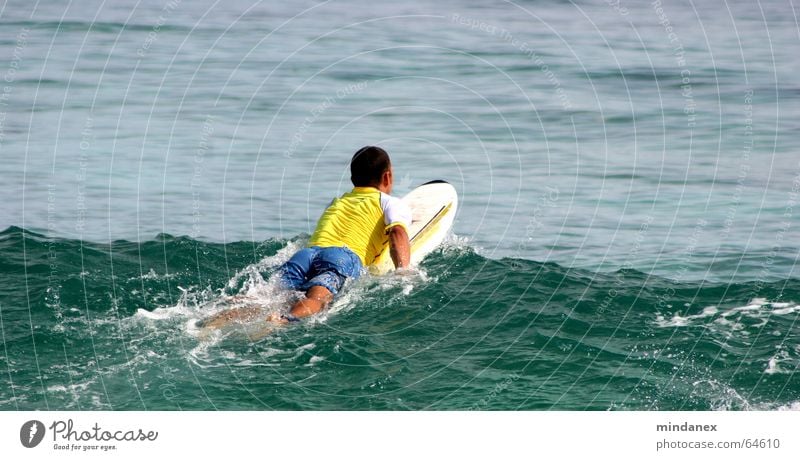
<point x="383" y="264"/>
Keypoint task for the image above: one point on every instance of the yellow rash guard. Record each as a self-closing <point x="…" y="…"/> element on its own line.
<point x="360" y="220"/>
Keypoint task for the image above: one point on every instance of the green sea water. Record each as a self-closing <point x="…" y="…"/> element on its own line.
<point x="626" y="238"/>
<point x="96" y="326"/>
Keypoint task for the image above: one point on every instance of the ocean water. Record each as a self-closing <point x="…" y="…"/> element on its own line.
<point x="627" y="236"/>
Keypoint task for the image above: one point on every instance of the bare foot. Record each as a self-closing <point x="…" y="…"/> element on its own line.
<point x="277" y="319"/>
<point x="272" y="322"/>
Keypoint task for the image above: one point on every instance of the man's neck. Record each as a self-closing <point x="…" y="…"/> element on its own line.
<point x="380" y="188"/>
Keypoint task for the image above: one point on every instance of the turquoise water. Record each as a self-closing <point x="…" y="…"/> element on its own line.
<point x="626" y="237"/>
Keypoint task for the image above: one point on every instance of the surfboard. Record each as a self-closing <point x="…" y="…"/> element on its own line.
<point x="433" y="210"/>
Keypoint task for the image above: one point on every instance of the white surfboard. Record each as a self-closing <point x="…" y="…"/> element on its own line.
<point x="433" y="209"/>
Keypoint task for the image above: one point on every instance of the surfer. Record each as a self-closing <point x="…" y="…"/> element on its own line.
<point x="350" y="234"/>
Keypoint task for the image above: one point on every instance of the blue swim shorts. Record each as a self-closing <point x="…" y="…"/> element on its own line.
<point x="316" y="266"/>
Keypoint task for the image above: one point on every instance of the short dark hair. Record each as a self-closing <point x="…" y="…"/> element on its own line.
<point x="368" y="165"/>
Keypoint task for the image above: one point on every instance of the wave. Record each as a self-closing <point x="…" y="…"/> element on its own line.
<point x="443" y="338"/>
<point x="167" y="262"/>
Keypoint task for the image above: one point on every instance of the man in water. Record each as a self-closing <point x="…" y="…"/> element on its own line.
<point x="351" y="233"/>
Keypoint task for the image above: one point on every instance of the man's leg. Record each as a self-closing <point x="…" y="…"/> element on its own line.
<point x="292" y="274"/>
<point x="317" y="297"/>
<point x="329" y="270"/>
<point x="225" y="318"/>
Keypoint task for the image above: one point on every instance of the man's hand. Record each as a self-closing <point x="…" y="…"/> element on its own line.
<point x="399" y="247"/>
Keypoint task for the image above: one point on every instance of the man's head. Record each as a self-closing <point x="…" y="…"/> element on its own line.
<point x="371" y="167"/>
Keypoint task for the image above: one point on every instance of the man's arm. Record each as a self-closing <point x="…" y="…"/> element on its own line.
<point x="399" y="247"/>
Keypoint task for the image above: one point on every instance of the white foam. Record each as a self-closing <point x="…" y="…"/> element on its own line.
<point x="253" y="290"/>
<point x="786" y="310"/>
<point x="770" y="406"/>
<point x="162" y="313"/>
<point x="777" y="364"/>
<point x="75" y="389"/>
<point x="375" y="286"/>
<point x="152" y="275"/>
<point x="772" y="366"/>
<point x="253" y="271"/>
<point x="721" y="396"/>
<point x="794" y="405"/>
<point x="453" y="241"/>
<point x="680" y="321"/>
<point x="760" y="303"/>
<point x="759" y="309"/>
